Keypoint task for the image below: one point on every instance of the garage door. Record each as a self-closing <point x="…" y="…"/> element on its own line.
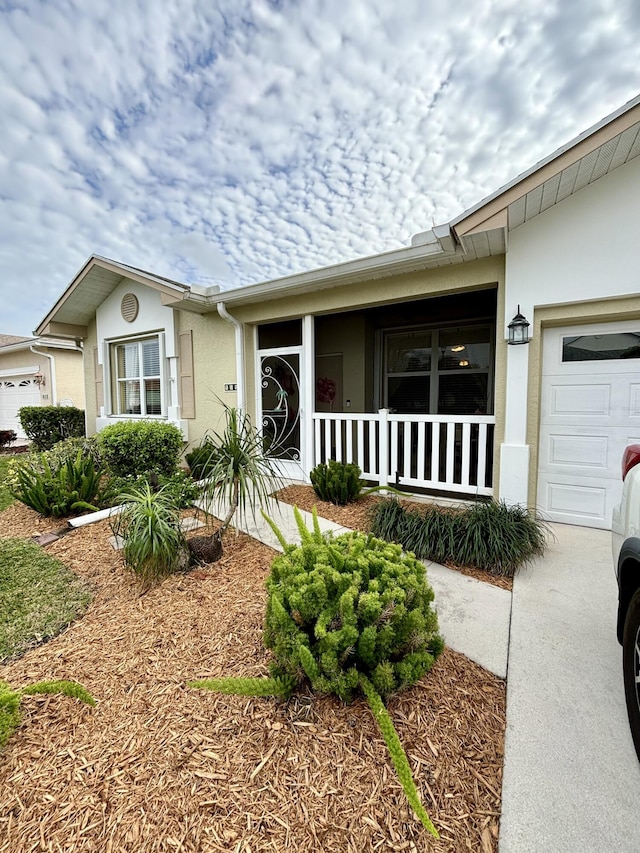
<point x="590" y="411"/>
<point x="16" y="391"/>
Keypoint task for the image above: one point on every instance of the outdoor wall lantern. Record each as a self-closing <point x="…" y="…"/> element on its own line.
<point x="519" y="329"/>
<point x="38" y="378"/>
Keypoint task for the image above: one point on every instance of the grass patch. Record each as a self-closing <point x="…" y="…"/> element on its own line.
<point x="6" y="498"/>
<point x="39" y="597"/>
<point x="490" y="536"/>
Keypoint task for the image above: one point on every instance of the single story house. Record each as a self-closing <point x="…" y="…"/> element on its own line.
<point x="401" y="361"/>
<point x="38" y="372"/>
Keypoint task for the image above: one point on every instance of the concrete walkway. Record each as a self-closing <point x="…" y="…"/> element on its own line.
<point x="571" y="777"/>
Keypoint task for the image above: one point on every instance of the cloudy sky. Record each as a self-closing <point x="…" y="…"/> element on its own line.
<point x="234" y="141"/>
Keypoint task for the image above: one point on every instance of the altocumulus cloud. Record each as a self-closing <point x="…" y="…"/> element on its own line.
<point x="233" y="142"/>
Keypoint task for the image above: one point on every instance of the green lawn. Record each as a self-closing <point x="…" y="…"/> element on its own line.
<point x="39" y="596"/>
<point x="5" y="497"/>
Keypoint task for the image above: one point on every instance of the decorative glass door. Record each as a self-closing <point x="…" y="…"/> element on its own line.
<point x="280" y="408"/>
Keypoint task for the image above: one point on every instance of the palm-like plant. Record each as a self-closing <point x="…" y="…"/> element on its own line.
<point x="239" y="473"/>
<point x="149" y="524"/>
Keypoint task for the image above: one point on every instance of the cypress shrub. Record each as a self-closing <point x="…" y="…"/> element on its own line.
<point x="353" y="616"/>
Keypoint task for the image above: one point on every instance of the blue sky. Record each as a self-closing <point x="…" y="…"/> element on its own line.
<point x="232" y="142"/>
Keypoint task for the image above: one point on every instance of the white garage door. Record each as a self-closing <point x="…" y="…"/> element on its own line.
<point x="16" y="391"/>
<point x="590" y="411"/>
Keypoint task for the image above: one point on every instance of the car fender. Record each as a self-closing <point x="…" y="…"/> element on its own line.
<point x="628" y="578"/>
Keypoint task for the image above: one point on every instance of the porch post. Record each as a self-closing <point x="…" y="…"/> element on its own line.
<point x="514" y="452"/>
<point x="308" y="392"/>
<point x="383" y="446"/>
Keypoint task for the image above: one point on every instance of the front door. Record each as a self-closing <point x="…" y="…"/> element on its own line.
<point x="280" y="414"/>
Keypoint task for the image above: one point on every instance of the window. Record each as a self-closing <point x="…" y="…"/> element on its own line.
<point x="137" y="377"/>
<point x="444" y="371"/>
<point x="607" y="347"/>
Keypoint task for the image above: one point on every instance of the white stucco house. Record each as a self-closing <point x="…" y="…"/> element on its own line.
<point x="401" y="361"/>
<point x="38" y="372"/>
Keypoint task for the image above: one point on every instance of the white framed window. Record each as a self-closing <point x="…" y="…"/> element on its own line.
<point x="137" y="377"/>
<point x="446" y="370"/>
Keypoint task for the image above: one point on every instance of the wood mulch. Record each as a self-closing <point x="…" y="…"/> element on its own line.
<point x="157" y="766"/>
<point x="357" y="516"/>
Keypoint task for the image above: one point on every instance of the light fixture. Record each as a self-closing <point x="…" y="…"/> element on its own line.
<point x="38" y="378"/>
<point x="519" y="329"/>
<point x="459" y="348"/>
<point x="463" y="363"/>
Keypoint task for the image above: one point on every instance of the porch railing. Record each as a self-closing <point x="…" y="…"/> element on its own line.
<point x="449" y="453"/>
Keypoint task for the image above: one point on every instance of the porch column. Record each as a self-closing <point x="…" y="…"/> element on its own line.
<point x="514" y="451"/>
<point x="308" y="396"/>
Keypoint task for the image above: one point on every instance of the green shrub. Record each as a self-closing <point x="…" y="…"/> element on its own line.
<point x="180" y="487"/>
<point x="357" y="605"/>
<point x="352" y="615"/>
<point x="154" y="544"/>
<point x="47" y="425"/>
<point x="139" y="447"/>
<point x="68" y="449"/>
<point x="491" y="536"/>
<point x="10" y="717"/>
<point x="53" y="486"/>
<point x="337" y="482"/>
<point x="202" y="459"/>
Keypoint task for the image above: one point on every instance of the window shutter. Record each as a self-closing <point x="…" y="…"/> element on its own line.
<point x="187" y="388"/>
<point x="99" y="380"/>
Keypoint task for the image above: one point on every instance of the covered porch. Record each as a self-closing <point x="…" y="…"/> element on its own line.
<point x="405" y="390"/>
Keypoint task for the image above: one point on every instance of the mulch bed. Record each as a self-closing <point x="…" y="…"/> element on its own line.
<point x="357" y="516"/>
<point x="157" y="766"/>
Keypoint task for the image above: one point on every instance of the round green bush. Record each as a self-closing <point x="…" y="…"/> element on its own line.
<point x="138" y="447"/>
<point x="350" y="606"/>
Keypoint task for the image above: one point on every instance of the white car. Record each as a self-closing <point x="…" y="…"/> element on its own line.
<point x="626" y="559"/>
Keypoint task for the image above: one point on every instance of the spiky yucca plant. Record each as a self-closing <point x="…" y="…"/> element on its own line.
<point x="149" y="524"/>
<point x="352" y="615"/>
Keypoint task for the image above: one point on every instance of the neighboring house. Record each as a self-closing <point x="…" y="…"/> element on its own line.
<point x="38" y="372"/>
<point x="400" y="361"/>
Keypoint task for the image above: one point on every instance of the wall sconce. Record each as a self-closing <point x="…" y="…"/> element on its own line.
<point x="38" y="378"/>
<point x="519" y="329"/>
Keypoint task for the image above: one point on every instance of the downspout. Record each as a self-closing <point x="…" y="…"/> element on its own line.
<point x="52" y="371"/>
<point x="222" y="311"/>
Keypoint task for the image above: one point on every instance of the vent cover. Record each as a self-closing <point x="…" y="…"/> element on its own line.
<point x="129" y="307"/>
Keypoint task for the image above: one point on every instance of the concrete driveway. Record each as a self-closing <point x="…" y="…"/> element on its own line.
<point x="571" y="776"/>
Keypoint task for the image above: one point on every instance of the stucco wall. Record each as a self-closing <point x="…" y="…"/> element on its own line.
<point x="91" y="408"/>
<point x="23" y="358"/>
<point x="576" y="262"/>
<point x="214" y="361"/>
<point x="346" y="336"/>
<point x="69" y="376"/>
<point x="583" y="249"/>
<point x="457" y="277"/>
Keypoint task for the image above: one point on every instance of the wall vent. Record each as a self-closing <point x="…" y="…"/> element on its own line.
<point x="129" y="307"/>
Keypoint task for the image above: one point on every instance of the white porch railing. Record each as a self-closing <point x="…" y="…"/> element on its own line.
<point x="451" y="453"/>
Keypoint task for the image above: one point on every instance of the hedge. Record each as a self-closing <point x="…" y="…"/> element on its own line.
<point x="47" y="425"/>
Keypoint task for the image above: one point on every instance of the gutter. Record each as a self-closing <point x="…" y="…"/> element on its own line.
<point x="52" y="370"/>
<point x="240" y="359"/>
